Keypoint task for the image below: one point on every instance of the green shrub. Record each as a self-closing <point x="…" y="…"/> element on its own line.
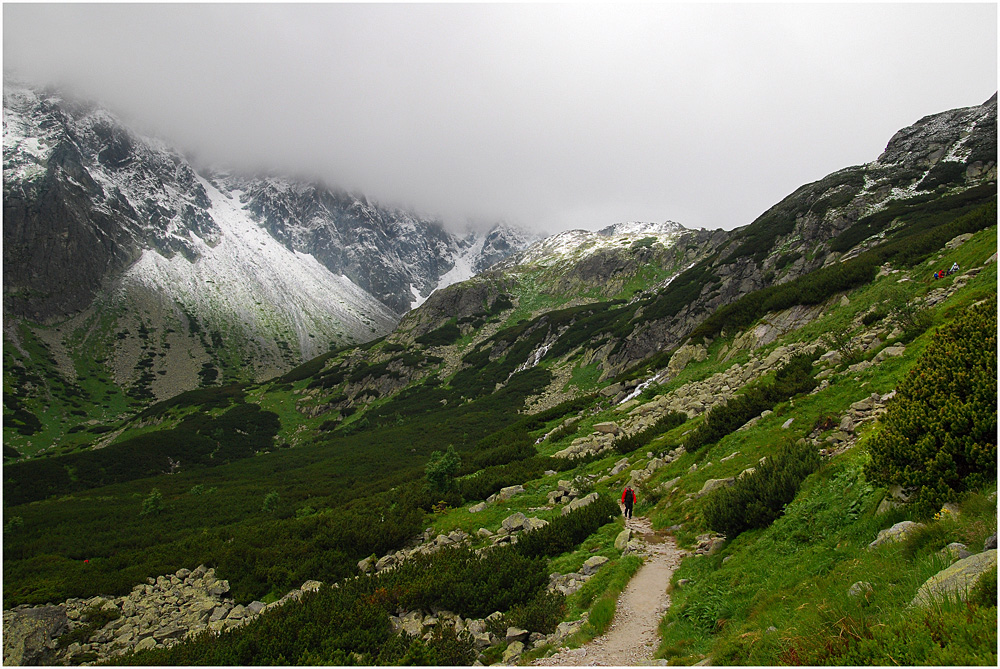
<point x="757" y="499"/>
<point x="984" y="593"/>
<point x="441" y="469"/>
<point x="443" y="336"/>
<point x="565" y="532"/>
<point x="153" y="504"/>
<point x="794" y="378"/>
<point x="540" y="614"/>
<point x="939" y="435"/>
<point x="626" y="445"/>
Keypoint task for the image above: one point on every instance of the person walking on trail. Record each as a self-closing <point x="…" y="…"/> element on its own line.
<point x="628" y="499"/>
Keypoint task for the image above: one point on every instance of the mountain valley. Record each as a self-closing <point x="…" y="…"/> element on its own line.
<point x="229" y="439"/>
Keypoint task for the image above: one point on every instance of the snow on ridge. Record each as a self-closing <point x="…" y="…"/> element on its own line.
<point x="577" y="244"/>
<point x="252" y="278"/>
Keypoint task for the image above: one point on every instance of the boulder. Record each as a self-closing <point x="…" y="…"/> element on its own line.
<point x="607" y="428"/>
<point x="621" y="541"/>
<point x="476" y="508"/>
<point x="580" y="503"/>
<point x="517" y="634"/>
<point x="515" y="522"/>
<point x="513" y="652"/>
<point x="956" y="580"/>
<point x="149" y="643"/>
<point x="711" y="485"/>
<point x="592" y="564"/>
<point x="412" y="623"/>
<point x="859" y="588"/>
<point x="508" y="492"/>
<point x="29" y="635"/>
<point x="889" y="352"/>
<point x="955" y="551"/>
<point x="897" y="532"/>
<point x="564" y="631"/>
<point x="534" y="524"/>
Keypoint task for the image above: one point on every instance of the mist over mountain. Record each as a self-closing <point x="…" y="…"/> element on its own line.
<point x="99" y="220"/>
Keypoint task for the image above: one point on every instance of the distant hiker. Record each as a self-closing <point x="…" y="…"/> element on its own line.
<point x="628" y="499"/>
<point x="954" y="268"/>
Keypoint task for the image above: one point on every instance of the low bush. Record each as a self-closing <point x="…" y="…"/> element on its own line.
<point x="565" y="532"/>
<point x="794" y="378"/>
<point x="443" y="336"/>
<point x="757" y="499"/>
<point x="939" y="435"/>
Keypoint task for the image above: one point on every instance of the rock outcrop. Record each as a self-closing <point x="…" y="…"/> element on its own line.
<point x="157" y="614"/>
<point x="955" y="581"/>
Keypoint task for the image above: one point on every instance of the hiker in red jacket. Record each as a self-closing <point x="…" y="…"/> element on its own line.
<point x="628" y="499"/>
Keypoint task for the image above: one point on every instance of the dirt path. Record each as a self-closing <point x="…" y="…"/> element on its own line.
<point x="633" y="635"/>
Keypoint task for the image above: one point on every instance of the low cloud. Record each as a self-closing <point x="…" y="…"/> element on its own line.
<point x="551" y="116"/>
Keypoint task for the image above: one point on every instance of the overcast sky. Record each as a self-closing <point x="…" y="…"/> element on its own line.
<point x="549" y="116"/>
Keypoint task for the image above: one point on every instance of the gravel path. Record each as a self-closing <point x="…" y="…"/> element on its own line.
<point x="633" y="636"/>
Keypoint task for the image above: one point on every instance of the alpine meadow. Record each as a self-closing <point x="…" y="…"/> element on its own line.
<point x="255" y="420"/>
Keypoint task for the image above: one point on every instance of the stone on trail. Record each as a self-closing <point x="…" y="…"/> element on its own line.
<point x="621" y="541"/>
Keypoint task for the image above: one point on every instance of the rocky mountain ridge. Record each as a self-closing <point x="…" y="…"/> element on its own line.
<point x="118" y="249"/>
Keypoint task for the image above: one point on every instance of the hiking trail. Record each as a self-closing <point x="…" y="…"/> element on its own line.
<point x="633" y="636"/>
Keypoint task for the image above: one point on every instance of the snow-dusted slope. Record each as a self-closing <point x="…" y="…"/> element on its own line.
<point x="267" y="269"/>
<point x="268" y="288"/>
<point x="573" y="246"/>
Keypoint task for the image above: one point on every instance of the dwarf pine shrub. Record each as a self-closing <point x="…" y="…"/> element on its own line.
<point x="757" y="499"/>
<point x="565" y="532"/>
<point x="939" y="435"/>
<point x="794" y="378"/>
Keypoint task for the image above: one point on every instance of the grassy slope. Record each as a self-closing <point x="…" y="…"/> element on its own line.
<point x="321" y="477"/>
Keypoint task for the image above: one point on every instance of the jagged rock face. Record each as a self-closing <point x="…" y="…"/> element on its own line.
<point x="29" y="635"/>
<point x="385" y="251"/>
<point x="77" y="204"/>
<point x="84" y="196"/>
<point x="110" y="234"/>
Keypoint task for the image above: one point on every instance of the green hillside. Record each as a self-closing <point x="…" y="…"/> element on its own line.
<point x="347" y="457"/>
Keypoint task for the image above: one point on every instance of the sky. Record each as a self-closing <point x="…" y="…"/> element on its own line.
<point x="547" y="116"/>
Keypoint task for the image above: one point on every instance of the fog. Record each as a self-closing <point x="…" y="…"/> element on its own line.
<point x="548" y="116"/>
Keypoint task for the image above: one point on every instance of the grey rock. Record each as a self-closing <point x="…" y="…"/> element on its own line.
<point x="859" y="588"/>
<point x="508" y="492"/>
<point x="311" y="586"/>
<point x="513" y="651"/>
<point x="897" y="532"/>
<point x="621" y="541"/>
<point x="991" y="542"/>
<point x="29" y="635"/>
<point x="514" y="522"/>
<point x="956" y="580"/>
<point x="711" y="485"/>
<point x="592" y="564"/>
